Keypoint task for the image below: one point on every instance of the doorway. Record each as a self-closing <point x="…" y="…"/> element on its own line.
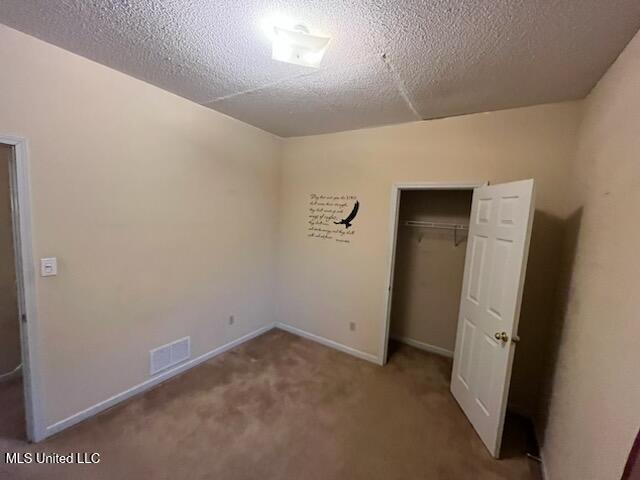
<point x="20" y="411"/>
<point x="430" y="253"/>
<point x="497" y="230"/>
<point x="12" y="417"/>
<point x="423" y="213"/>
<point x="12" y="421"/>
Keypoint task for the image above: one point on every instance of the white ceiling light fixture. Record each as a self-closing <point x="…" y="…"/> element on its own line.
<point x="294" y="44"/>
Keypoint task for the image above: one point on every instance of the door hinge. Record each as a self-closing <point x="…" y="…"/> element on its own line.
<point x="23" y="317"/>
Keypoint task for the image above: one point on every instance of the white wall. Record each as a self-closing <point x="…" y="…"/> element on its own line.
<point x="325" y="285"/>
<point x="162" y="214"/>
<point x="595" y="398"/>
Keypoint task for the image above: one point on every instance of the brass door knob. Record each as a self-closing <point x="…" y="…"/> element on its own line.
<point x="502" y="336"/>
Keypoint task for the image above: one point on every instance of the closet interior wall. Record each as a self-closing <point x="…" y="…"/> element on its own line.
<point x="429" y="268"/>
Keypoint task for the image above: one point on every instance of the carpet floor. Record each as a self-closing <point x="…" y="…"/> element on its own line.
<point x="280" y="407"/>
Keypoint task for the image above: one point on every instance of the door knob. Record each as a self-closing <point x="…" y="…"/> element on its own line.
<point x="502" y="336"/>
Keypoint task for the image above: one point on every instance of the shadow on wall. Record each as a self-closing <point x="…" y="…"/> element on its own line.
<point x="548" y="275"/>
<point x="557" y="331"/>
<point x="403" y="278"/>
<point x="549" y="270"/>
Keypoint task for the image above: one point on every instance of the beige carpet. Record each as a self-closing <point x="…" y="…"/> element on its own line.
<point x="280" y="407"/>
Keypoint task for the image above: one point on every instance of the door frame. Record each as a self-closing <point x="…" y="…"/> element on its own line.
<point x="26" y="283"/>
<point x="396" y="190"/>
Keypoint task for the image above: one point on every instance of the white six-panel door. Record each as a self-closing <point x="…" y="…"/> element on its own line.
<point x="495" y="265"/>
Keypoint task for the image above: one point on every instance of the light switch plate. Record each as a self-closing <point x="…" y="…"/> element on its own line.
<point x="48" y="267"/>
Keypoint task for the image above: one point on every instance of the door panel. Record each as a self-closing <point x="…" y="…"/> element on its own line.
<point x="495" y="265"/>
<point x="476" y="265"/>
<point x="468" y="334"/>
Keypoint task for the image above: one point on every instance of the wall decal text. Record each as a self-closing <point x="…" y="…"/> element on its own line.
<point x="332" y="217"/>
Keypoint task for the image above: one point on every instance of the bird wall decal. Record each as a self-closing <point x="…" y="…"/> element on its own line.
<point x="347" y="221"/>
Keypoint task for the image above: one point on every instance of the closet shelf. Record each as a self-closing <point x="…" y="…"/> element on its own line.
<point x="444" y="226"/>
<point x="456" y="227"/>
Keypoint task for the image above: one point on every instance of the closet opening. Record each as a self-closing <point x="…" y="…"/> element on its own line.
<point x="20" y="405"/>
<point x="449" y="239"/>
<point x="432" y="225"/>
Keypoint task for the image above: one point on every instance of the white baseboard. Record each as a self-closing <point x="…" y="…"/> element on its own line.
<point x="147" y="384"/>
<point x="427" y="347"/>
<point x="15" y="373"/>
<point x="328" y="343"/>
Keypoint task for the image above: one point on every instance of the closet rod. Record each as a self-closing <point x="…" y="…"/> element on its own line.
<point x="456" y="227"/>
<point x="445" y="226"/>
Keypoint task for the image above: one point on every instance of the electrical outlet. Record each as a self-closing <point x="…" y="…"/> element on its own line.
<point x="352" y="326"/>
<point x="48" y="267"/>
<point x="231" y="319"/>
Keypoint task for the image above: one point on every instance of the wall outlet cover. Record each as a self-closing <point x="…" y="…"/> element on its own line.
<point x="48" y="267"/>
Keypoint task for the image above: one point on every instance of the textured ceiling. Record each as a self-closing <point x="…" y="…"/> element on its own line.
<point x="389" y="61"/>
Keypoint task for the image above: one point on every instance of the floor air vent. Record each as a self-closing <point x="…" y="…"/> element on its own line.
<point x="169" y="355"/>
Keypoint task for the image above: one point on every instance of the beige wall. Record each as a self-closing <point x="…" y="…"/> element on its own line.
<point x="163" y="216"/>
<point x="595" y="401"/>
<point x="326" y="285"/>
<point x="9" y="324"/>
<point x="161" y="212"/>
<point x="429" y="268"/>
